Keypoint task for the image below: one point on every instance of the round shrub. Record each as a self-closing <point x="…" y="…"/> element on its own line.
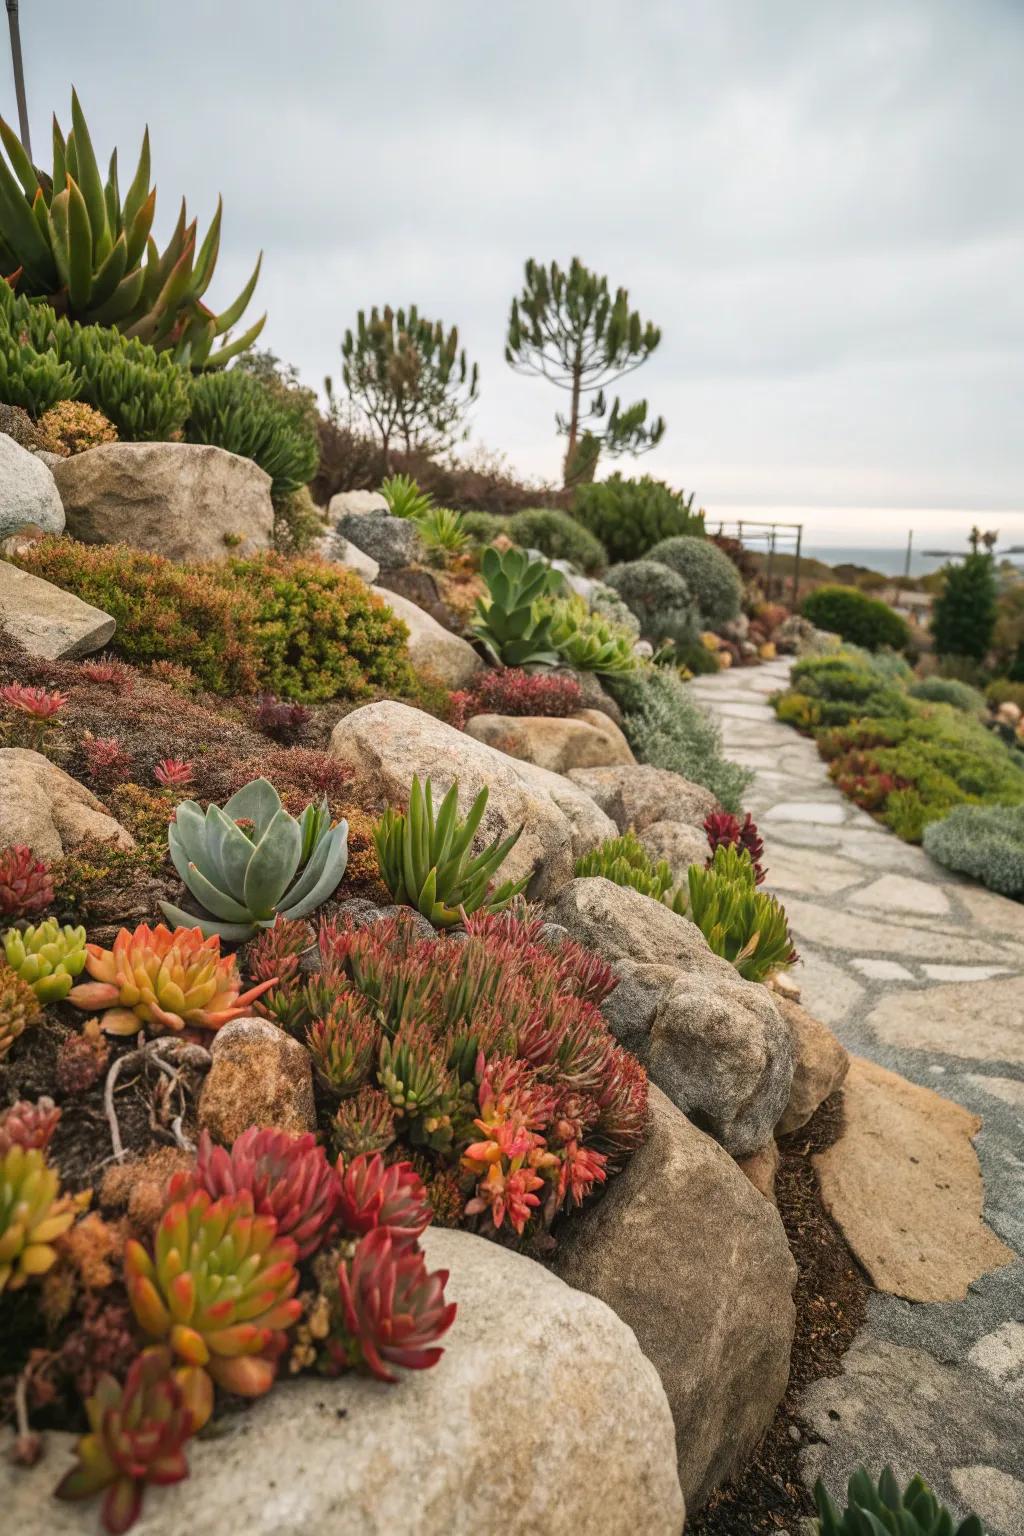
<point x="949" y="690"/>
<point x="986" y="841"/>
<point x="233" y="410"/>
<point x="629" y="516"/>
<point x="558" y="536"/>
<point x="71" y="427"/>
<point x="484" y="527"/>
<point x="713" y="580"/>
<point x="856" y="617"/>
<point x="658" y="597"/>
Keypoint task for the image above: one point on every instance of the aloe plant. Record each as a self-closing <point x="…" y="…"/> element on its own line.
<point x="249" y="862"/>
<point x="424" y="860"/>
<point x="508" y="622"/>
<point x="883" y="1510"/>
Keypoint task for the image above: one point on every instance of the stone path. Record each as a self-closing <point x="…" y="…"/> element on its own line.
<point x="922" y="972"/>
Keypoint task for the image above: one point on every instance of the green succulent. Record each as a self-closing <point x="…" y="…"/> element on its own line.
<point x="233" y="410"/>
<point x="47" y="956"/>
<point x="745" y="926"/>
<point x="588" y="641"/>
<point x="70" y="239"/>
<point x="509" y="622"/>
<point x="424" y="860"/>
<point x="442" y="532"/>
<point x="250" y="861"/>
<point x="626" y="861"/>
<point x="404" y="497"/>
<point x="883" y="1510"/>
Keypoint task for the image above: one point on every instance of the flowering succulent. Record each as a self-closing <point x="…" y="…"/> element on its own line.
<point x="373" y="1195"/>
<point x="218" y="1288"/>
<point x="722" y="827"/>
<point x="392" y="1310"/>
<point x="173" y="773"/>
<point x="170" y="981"/>
<point x="25" y="883"/>
<point x="19" y="1008"/>
<point x="47" y="956"/>
<point x="287" y="1176"/>
<point x="343" y="1044"/>
<point x="137" y="1433"/>
<point x="364" y="1123"/>
<point x="34" y="702"/>
<point x="33" y="1214"/>
<point x="28" y="1125"/>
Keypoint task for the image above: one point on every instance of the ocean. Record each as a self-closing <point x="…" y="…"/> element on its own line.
<point x="891" y="561"/>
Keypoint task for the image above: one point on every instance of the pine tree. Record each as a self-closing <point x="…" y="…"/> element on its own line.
<point x="568" y="328"/>
<point x="965" y="611"/>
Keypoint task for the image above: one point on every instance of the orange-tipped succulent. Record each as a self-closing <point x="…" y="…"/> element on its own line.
<point x="33" y="1214"/>
<point x="218" y="1289"/>
<point x="288" y="1177"/>
<point x="137" y="1434"/>
<point x="168" y="981"/>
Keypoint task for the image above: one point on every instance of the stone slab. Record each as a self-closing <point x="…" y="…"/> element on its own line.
<point x="48" y="621"/>
<point x="975" y="1021"/>
<point x="901" y="893"/>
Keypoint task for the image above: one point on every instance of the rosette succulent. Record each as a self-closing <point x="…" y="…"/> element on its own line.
<point x="373" y="1195"/>
<point x="47" y="956"/>
<point x="251" y="861"/>
<point x="508" y="623"/>
<point x="287" y="1176"/>
<point x="883" y="1509"/>
<point x="168" y="981"/>
<point x="392" y="1311"/>
<point x="33" y="1214"/>
<point x="25" y="883"/>
<point x="29" y="1125"/>
<point x="19" y="1007"/>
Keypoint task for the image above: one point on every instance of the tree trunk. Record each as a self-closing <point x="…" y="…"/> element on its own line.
<point x="574" y="420"/>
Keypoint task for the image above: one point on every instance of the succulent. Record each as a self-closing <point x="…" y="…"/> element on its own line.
<point x="218" y="1288"/>
<point x="137" y="1433"/>
<point x="423" y="861"/>
<point x="71" y="426"/>
<point x="722" y="827"/>
<point x="173" y="773"/>
<point x="287" y="1176"/>
<point x="404" y="497"/>
<point x="373" y="1195"/>
<point x="25" y="883"/>
<point x="81" y="1060"/>
<point x="279" y="717"/>
<point x="363" y="1124"/>
<point x="284" y="866"/>
<point x="168" y="981"/>
<point x="34" y="702"/>
<point x="28" y="1125"/>
<point x="33" y="1214"/>
<point x="392" y="1310"/>
<point x="883" y="1510"/>
<point x="507" y="623"/>
<point x="47" y="956"/>
<point x="625" y="861"/>
<point x="745" y="926"/>
<point x="343" y="1044"/>
<point x="442" y="533"/>
<point x="19" y="1007"/>
<point x="589" y="642"/>
<point x="71" y="239"/>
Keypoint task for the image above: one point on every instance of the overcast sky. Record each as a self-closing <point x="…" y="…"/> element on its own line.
<point x="820" y="203"/>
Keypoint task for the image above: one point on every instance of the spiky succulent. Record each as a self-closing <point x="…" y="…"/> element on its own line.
<point x="137" y="1434"/>
<point x="25" y="883"/>
<point x="33" y="1214"/>
<point x="364" y="1123"/>
<point x="745" y="926"/>
<point x="343" y="1043"/>
<point x="882" y="1509"/>
<point x="424" y="861"/>
<point x="723" y="827"/>
<point x="19" y="1008"/>
<point x="373" y="1195"/>
<point x="47" y="956"/>
<point x="507" y="622"/>
<point x="626" y="861"/>
<point x="251" y="861"/>
<point x="392" y="1312"/>
<point x="287" y="1176"/>
<point x="29" y="1125"/>
<point x="167" y="981"/>
<point x="218" y="1288"/>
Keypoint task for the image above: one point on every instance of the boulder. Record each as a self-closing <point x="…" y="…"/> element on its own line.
<point x="761" y="1169"/>
<point x="348" y="502"/>
<point x="582" y="1441"/>
<point x="28" y="491"/>
<point x="688" y="1253"/>
<point x="386" y="743"/>
<point x="713" y="1042"/>
<point x="419" y="585"/>
<point x="678" y="843"/>
<point x="389" y="540"/>
<point x="581" y="741"/>
<point x="259" y="1076"/>
<point x="820" y="1064"/>
<point x="188" y="501"/>
<point x="331" y="546"/>
<point x="433" y="648"/>
<point x="48" y="621"/>
<point x="637" y="796"/>
<point x="46" y="808"/>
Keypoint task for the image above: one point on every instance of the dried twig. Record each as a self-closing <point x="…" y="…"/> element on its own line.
<point x="182" y="1052"/>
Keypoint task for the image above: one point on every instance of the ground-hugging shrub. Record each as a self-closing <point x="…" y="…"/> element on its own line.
<point x="630" y="516"/>
<point x="667" y="728"/>
<point x="713" y="580"/>
<point x="659" y="598"/>
<point x="986" y="841"/>
<point x="484" y="527"/>
<point x="1003" y="690"/>
<point x="863" y="620"/>
<point x="846" y="686"/>
<point x="964" y="613"/>
<point x="949" y="690"/>
<point x="233" y="410"/>
<point x="511" y="691"/>
<point x="558" y="536"/>
<point x="71" y="427"/>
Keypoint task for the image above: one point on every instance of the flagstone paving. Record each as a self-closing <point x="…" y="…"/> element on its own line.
<point x="921" y="972"/>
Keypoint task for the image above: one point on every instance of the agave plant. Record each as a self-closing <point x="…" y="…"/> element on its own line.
<point x="47" y="956"/>
<point x="251" y="861"/>
<point x="508" y="622"/>
<point x="392" y="1310"/>
<point x="404" y="497"/>
<point x="33" y="1214"/>
<point x="424" y="860"/>
<point x="70" y="239"/>
<point x="745" y="926"/>
<point x="882" y="1509"/>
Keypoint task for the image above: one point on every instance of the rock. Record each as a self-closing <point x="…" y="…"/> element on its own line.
<point x="46" y="808"/>
<point x="592" y="695"/>
<point x="17" y="543"/>
<point x="346" y="503"/>
<point x="761" y="1169"/>
<point x="48" y="458"/>
<point x="386" y="743"/>
<point x="688" y="1253"/>
<point x="678" y="843"/>
<point x="903" y="1183"/>
<point x="322" y="1458"/>
<point x="419" y="585"/>
<point x="555" y="744"/>
<point x="188" y="501"/>
<point x="637" y="796"/>
<point x="433" y="648"/>
<point x="819" y="1065"/>
<point x="389" y="540"/>
<point x="48" y="621"/>
<point x="713" y="1042"/>
<point x="28" y="492"/>
<point x="331" y="546"/>
<point x="260" y="1076"/>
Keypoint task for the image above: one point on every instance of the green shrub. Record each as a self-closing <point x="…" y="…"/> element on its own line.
<point x="697" y="658"/>
<point x="667" y="728"/>
<point x="846" y="688"/>
<point x="986" y="841"/>
<point x="604" y="600"/>
<point x="1004" y="691"/>
<point x="484" y="527"/>
<point x="856" y="617"/>
<point x="964" y="613"/>
<point x="629" y="516"/>
<point x="626" y="861"/>
<point x="949" y="690"/>
<point x="713" y="580"/>
<point x="298" y="522"/>
<point x="233" y="410"/>
<point x="558" y="536"/>
<point x="659" y="598"/>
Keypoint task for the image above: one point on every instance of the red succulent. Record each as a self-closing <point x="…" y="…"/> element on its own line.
<point x="288" y="1177"/>
<point x="107" y="759"/>
<point x="392" y="1310"/>
<point x="35" y="702"/>
<point x="373" y="1195"/>
<point x="25" y="884"/>
<point x="28" y="1125"/>
<point x="173" y="773"/>
<point x="113" y="674"/>
<point x="722" y="828"/>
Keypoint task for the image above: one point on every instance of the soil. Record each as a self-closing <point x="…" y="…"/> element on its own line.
<point x="831" y="1304"/>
